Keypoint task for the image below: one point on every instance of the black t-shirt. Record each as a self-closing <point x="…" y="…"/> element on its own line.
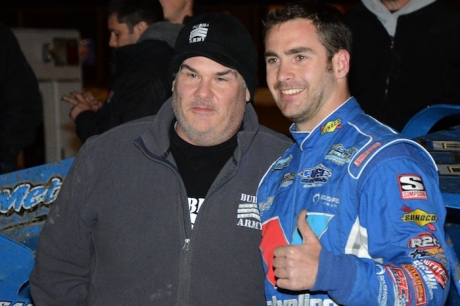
<point x="199" y="166"/>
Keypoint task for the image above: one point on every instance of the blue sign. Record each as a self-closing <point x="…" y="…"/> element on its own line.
<point x="25" y="199"/>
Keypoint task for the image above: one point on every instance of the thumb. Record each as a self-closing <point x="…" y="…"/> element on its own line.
<point x="304" y="229"/>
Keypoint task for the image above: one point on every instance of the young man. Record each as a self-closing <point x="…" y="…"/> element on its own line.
<point x="162" y="211"/>
<point x="351" y="213"/>
<point x="141" y="81"/>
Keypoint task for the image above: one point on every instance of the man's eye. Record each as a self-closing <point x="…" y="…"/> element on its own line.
<point x="271" y="60"/>
<point x="301" y="57"/>
<point x="192" y="75"/>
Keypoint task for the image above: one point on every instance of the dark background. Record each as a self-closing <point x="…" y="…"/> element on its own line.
<point x="61" y="3"/>
<point x="89" y="18"/>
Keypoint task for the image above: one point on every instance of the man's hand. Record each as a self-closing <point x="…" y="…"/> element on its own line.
<point x="81" y="101"/>
<point x="296" y="266"/>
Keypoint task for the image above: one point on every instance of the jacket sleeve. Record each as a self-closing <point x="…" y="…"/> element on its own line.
<point x="401" y="214"/>
<point x="89" y="123"/>
<point x="61" y="274"/>
<point x="132" y="97"/>
<point x="137" y="95"/>
<point x="20" y="99"/>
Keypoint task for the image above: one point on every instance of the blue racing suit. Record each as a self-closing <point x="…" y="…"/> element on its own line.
<point x="374" y="203"/>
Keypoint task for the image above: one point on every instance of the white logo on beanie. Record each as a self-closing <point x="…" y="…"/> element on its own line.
<point x="198" y="33"/>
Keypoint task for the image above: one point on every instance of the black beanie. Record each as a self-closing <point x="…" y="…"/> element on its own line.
<point x="221" y="38"/>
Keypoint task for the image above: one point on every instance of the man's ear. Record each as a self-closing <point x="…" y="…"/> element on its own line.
<point x="341" y="63"/>
<point x="173" y="83"/>
<point x="140" y="28"/>
<point x="248" y="95"/>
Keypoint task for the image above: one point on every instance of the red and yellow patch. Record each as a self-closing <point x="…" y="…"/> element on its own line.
<point x="419" y="288"/>
<point x="331" y="126"/>
<point x="420" y="217"/>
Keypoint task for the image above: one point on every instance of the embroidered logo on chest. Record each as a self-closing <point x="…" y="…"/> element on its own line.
<point x="316" y="176"/>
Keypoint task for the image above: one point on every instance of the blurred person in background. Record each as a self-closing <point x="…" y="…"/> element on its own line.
<point x="143" y="48"/>
<point x="177" y="11"/>
<point x="20" y="101"/>
<point x="404" y="57"/>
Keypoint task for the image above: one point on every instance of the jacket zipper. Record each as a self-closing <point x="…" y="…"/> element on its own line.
<point x="186" y="245"/>
<point x="185" y="262"/>
<point x="184" y="278"/>
<point x="185" y="269"/>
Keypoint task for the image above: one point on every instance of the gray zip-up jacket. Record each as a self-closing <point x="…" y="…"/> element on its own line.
<point x="120" y="234"/>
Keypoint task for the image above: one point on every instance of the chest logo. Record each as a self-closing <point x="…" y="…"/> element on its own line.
<point x="288" y="179"/>
<point x="248" y="213"/>
<point x="339" y="155"/>
<point x="273" y="236"/>
<point x="318" y="223"/>
<point x="331" y="126"/>
<point x="316" y="176"/>
<point x="282" y="163"/>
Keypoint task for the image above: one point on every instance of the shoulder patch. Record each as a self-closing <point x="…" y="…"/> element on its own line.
<point x="411" y="187"/>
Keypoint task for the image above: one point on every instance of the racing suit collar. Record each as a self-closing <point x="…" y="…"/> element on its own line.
<point x="328" y="128"/>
